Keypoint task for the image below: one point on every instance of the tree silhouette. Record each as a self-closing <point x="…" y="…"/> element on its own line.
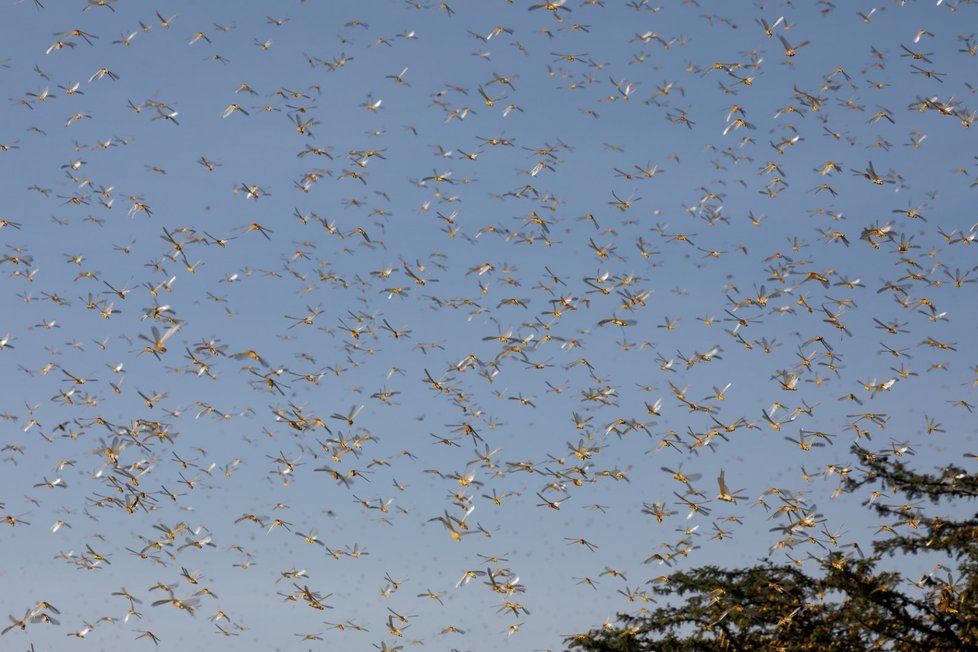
<point x="851" y="605"/>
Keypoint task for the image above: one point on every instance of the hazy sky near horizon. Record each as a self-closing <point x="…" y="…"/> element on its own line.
<point x="375" y="324"/>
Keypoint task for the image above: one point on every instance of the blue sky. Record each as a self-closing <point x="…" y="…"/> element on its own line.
<point x="643" y="203"/>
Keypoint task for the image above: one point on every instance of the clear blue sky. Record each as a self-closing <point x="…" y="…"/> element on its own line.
<point x="493" y="225"/>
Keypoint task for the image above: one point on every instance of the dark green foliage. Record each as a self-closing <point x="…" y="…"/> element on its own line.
<point x="850" y="605"/>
